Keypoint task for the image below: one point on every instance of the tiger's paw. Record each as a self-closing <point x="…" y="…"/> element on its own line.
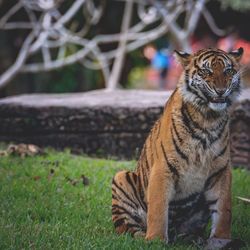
<point x="217" y="243"/>
<point x="155" y="237"/>
<point x="139" y="234"/>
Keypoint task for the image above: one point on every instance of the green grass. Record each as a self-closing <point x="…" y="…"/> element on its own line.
<point x="39" y="211"/>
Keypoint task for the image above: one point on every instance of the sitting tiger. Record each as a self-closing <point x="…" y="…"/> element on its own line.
<point x="183" y="176"/>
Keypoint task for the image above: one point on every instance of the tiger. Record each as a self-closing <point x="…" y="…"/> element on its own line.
<point x="183" y="175"/>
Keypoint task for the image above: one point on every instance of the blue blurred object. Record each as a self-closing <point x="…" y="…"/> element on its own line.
<point x="160" y="60"/>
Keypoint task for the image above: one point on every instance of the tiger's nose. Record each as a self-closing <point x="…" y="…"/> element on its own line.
<point x="220" y="91"/>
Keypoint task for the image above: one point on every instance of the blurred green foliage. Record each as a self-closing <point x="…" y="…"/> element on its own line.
<point x="136" y="78"/>
<point x="74" y="78"/>
<point x="66" y="81"/>
<point x="239" y="5"/>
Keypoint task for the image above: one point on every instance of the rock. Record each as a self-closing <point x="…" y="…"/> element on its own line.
<point x="103" y="123"/>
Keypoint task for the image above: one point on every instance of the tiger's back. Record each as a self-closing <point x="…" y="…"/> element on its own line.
<point x="174" y="189"/>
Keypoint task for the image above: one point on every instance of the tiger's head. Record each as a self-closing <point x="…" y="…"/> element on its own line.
<point x="211" y="78"/>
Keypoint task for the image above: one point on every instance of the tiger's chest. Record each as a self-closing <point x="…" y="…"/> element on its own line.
<point x="201" y="155"/>
<point x="191" y="182"/>
<point x="200" y="167"/>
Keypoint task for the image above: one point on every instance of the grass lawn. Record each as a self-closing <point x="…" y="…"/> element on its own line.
<point x="45" y="205"/>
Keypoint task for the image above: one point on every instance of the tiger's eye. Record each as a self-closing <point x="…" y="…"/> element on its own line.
<point x="205" y="71"/>
<point x="229" y="71"/>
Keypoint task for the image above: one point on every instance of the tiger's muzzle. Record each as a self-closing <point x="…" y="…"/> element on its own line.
<point x="218" y="103"/>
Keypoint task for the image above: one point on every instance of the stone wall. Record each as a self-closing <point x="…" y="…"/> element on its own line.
<point x="102" y="123"/>
<point x="240" y="133"/>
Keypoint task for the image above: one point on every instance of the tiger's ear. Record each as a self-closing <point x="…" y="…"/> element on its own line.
<point x="183" y="57"/>
<point x="237" y="54"/>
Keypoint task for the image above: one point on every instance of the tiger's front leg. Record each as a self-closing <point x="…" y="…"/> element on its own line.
<point x="219" y="192"/>
<point x="158" y="196"/>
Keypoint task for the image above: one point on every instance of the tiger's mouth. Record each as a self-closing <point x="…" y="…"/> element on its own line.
<point x="218" y="103"/>
<point x="217" y="99"/>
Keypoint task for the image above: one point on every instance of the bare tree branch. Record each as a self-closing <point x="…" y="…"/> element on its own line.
<point x="70" y="13"/>
<point x="53" y="30"/>
<point x="18" y="25"/>
<point x="16" y="67"/>
<point x="210" y="21"/>
<point x="10" y="13"/>
<point x="56" y="64"/>
<point x="194" y="18"/>
<point x="116" y="71"/>
<point x="167" y="17"/>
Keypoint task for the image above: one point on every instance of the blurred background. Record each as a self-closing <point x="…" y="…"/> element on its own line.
<point x="58" y="46"/>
